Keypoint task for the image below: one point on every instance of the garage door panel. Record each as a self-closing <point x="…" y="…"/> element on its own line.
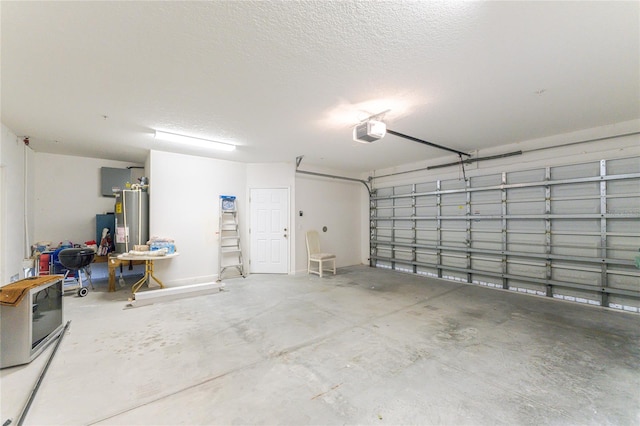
<point x="454" y="205"/>
<point x="574" y="275"/>
<point x="454" y="275"/>
<point x="527" y="287"/>
<point x="403" y="236"/>
<point x="486" y="234"/>
<point x="403" y="255"/>
<point x="401" y="212"/>
<point x="623" y="247"/>
<point x="486" y="245"/>
<point x="624" y="303"/>
<point x="403" y="201"/>
<point x="454" y="225"/>
<point x="535" y="193"/>
<point x="575" y="190"/>
<point x="525" y="248"/>
<point x="576" y="226"/>
<point x="624" y="226"/>
<point x="430" y="272"/>
<point x="580" y="296"/>
<point x="486" y="265"/>
<point x="623" y="206"/>
<point x="627" y="186"/>
<point x="426" y="257"/>
<point x="625" y="279"/>
<point x="485" y="210"/>
<point x="533" y="225"/>
<point x="486" y="197"/>
<point x="454" y="210"/>
<point x="384" y="252"/>
<point x="550" y="224"/>
<point x="533" y="270"/>
<point x="486" y="240"/>
<point x="486" y="225"/>
<point x="526" y="208"/>
<point x="384" y="234"/>
<point x="427" y="236"/>
<point x="576" y="245"/>
<point x="402" y="189"/>
<point x="426" y="187"/>
<point x="426" y="211"/>
<point x="486" y="280"/>
<point x="451" y="184"/>
<point x="454" y="259"/>
<point x="486" y="180"/>
<point x="526" y="243"/>
<point x="569" y="207"/>
<point x="453" y="238"/>
<point x="526" y="176"/>
<point x="574" y="171"/>
<point x="622" y="166"/>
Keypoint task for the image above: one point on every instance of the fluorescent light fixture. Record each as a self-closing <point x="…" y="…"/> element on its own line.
<point x="197" y="142"/>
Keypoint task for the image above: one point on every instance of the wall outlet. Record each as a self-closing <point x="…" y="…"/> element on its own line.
<point x="14" y="278"/>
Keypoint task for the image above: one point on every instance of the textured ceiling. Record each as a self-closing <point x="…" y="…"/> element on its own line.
<point x="283" y="79"/>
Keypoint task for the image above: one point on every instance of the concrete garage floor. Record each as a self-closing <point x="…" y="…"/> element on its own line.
<point x="367" y="346"/>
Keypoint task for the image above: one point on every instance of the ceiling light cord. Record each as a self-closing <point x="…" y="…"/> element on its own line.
<point x="181" y="140"/>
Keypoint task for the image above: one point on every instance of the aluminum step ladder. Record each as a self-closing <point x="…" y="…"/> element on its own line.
<point x="229" y="251"/>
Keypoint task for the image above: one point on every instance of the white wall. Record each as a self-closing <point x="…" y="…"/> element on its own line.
<point x="335" y="204"/>
<point x="68" y="196"/>
<point x="274" y="175"/>
<point x="14" y="207"/>
<point x="184" y="192"/>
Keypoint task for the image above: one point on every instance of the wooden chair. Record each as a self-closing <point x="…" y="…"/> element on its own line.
<point x="316" y="255"/>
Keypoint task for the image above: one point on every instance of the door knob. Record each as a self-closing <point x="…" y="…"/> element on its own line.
<point x="285" y="229"/>
<point x="285" y="235"/>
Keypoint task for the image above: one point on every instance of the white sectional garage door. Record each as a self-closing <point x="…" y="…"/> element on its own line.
<point x="570" y="232"/>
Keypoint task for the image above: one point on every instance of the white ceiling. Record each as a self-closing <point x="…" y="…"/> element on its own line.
<point x="283" y="79"/>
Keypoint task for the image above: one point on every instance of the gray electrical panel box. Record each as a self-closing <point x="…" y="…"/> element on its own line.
<point x="113" y="180"/>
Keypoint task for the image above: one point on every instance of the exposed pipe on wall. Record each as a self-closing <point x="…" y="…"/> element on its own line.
<point x="27" y="242"/>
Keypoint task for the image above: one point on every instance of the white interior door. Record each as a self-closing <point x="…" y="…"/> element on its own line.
<point x="269" y="231"/>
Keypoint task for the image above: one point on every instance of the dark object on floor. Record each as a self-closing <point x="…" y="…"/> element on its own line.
<point x="77" y="259"/>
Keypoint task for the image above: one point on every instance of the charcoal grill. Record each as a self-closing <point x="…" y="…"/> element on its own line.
<point x="78" y="260"/>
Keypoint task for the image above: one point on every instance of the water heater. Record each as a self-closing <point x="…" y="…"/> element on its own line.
<point x="132" y="219"/>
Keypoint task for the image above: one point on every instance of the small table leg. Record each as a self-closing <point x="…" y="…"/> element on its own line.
<point x="112" y="273"/>
<point x="150" y="262"/>
<point x="148" y="274"/>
